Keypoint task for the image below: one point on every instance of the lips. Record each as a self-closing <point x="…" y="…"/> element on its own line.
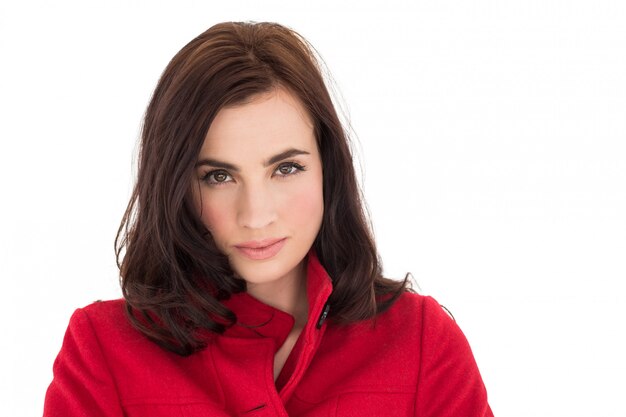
<point x="261" y="249"/>
<point x="256" y="244"/>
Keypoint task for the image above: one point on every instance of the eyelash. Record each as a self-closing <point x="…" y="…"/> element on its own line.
<point x="206" y="177"/>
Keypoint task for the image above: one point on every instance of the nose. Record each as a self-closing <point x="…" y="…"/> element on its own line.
<point x="256" y="208"/>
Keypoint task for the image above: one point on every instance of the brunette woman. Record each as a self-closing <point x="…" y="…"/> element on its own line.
<point x="252" y="285"/>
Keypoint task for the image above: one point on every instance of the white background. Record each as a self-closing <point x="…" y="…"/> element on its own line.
<point x="491" y="136"/>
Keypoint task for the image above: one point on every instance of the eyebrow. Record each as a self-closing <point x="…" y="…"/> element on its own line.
<point x="272" y="160"/>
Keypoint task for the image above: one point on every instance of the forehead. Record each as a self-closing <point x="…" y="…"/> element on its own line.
<point x="269" y="122"/>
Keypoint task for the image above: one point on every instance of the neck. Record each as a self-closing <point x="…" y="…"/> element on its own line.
<point x="287" y="294"/>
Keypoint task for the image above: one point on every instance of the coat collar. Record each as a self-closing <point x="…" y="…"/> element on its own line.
<point x="256" y="319"/>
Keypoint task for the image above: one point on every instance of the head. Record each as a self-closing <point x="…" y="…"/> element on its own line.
<point x="259" y="181"/>
<point x="232" y="99"/>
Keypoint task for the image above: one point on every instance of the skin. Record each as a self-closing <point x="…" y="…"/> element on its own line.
<point x="259" y="200"/>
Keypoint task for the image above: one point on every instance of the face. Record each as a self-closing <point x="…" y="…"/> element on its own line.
<point x="259" y="189"/>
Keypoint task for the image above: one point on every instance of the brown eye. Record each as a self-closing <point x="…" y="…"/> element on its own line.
<point x="286" y="169"/>
<point x="289" y="168"/>
<point x="220" y="177"/>
<point x="217" y="178"/>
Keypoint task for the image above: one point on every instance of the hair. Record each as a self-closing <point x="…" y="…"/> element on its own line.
<point x="171" y="272"/>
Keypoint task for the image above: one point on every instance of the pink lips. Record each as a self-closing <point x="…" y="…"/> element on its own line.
<point x="261" y="249"/>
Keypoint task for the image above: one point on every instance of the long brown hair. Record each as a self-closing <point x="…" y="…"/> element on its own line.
<point x="171" y="272"/>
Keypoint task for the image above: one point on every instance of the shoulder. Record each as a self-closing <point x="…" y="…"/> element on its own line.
<point x="112" y="309"/>
<point x="420" y="321"/>
<point x="414" y="311"/>
<point x="101" y="315"/>
<point x="105" y="324"/>
<point x="425" y="315"/>
<point x="102" y="336"/>
<point x="415" y="301"/>
<point x="412" y="320"/>
<point x="413" y="347"/>
<point x="449" y="378"/>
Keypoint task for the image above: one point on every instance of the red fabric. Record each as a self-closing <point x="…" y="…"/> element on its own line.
<point x="413" y="360"/>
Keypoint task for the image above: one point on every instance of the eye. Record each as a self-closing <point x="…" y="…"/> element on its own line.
<point x="217" y="177"/>
<point x="289" y="168"/>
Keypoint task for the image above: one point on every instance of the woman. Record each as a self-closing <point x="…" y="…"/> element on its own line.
<point x="251" y="282"/>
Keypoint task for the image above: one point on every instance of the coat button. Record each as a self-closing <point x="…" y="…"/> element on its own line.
<point x="323" y="316"/>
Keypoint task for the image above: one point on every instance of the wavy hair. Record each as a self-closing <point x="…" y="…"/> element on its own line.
<point x="171" y="272"/>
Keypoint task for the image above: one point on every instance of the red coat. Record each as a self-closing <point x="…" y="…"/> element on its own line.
<point x="412" y="361"/>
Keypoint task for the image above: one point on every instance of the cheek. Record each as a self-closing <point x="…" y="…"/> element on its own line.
<point x="305" y="206"/>
<point x="216" y="218"/>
